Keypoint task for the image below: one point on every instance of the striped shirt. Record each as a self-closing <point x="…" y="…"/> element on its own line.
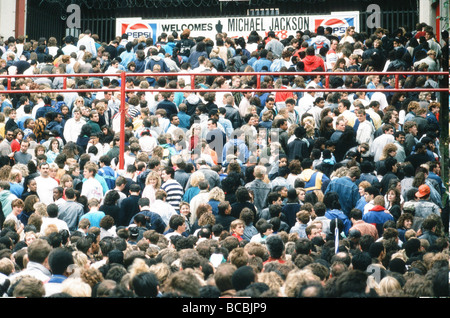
<point x="174" y="192"/>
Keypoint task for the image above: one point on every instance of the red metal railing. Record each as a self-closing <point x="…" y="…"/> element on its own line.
<point x="258" y="75"/>
<point x="122" y="89"/>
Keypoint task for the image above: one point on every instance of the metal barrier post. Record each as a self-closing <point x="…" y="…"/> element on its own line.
<point x="123" y="84"/>
<point x="193" y="81"/>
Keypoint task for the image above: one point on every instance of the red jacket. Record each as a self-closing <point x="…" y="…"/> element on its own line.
<point x="282" y="96"/>
<point x="312" y="62"/>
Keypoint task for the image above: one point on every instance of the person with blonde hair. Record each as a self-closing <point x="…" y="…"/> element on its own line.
<point x="152" y="184"/>
<point x="162" y="272"/>
<point x="260" y="187"/>
<point x="390" y="287"/>
<point x="237" y="229"/>
<point x="76" y="287"/>
<point x="66" y="182"/>
<point x="92" y="188"/>
<point x="194" y="189"/>
<point x="310" y="126"/>
<point x="194" y="135"/>
<point x="389" y="151"/>
<point x="348" y="36"/>
<point x="216" y="195"/>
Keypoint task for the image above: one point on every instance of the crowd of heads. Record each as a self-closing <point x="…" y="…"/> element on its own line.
<point x="317" y="189"/>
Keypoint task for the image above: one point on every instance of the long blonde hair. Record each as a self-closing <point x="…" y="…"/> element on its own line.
<point x="217" y="194"/>
<point x="196" y="177"/>
<point x="153" y="175"/>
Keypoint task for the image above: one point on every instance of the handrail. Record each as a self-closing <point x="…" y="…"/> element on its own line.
<point x="123" y="89"/>
<point x="231" y="90"/>
<point x="327" y="75"/>
<point x="228" y="74"/>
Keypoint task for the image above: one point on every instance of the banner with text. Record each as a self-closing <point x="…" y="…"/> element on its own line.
<point x="235" y="27"/>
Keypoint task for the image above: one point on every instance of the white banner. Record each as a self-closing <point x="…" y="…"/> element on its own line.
<point x="235" y="27"/>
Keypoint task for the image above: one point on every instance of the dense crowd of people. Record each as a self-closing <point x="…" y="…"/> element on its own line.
<point x="295" y="193"/>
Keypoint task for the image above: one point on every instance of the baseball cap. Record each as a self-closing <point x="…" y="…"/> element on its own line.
<point x="424" y="190"/>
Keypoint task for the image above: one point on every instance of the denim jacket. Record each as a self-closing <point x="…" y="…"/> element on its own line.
<point x="260" y="190"/>
<point x="347" y="191"/>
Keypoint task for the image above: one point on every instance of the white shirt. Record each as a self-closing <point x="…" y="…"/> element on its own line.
<point x="169" y="235"/>
<point x="305" y="103"/>
<point x="92" y="188"/>
<point x="243" y="106"/>
<point x="36" y="108"/>
<point x="381" y="98"/>
<point x="164" y="209"/>
<point x="378" y="144"/>
<point x="350" y="116"/>
<point x="72" y="129"/>
<point x="68" y="49"/>
<point x="89" y="43"/>
<point x="331" y="59"/>
<point x="45" y="188"/>
<point x="148" y="143"/>
<point x="365" y="132"/>
<point x="60" y="224"/>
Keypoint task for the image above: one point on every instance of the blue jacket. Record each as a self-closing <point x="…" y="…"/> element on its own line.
<point x="184" y="120"/>
<point x="44" y="110"/>
<point x="348" y="192"/>
<point x="260" y="190"/>
<point x="169" y="106"/>
<point x="127" y="57"/>
<point x="154" y="222"/>
<point x="333" y="214"/>
<point x="140" y="65"/>
<point x="371" y="178"/>
<point x="54" y="125"/>
<point x="155" y="59"/>
<point x="258" y="65"/>
<point x="314" y="180"/>
<point x="438" y="179"/>
<point x="243" y="149"/>
<point x="168" y="48"/>
<point x="109" y="175"/>
<point x="377" y="216"/>
<point x="361" y="204"/>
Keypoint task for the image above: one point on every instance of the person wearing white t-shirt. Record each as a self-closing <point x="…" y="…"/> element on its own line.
<point x="45" y="184"/>
<point x="52" y="219"/>
<point x="380" y="97"/>
<point x="91" y="188"/>
<point x="305" y="103"/>
<point x="87" y="40"/>
<point x="332" y="57"/>
<point x="73" y="126"/>
<point x="366" y="130"/>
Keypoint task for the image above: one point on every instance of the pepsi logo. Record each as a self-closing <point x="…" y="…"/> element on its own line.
<point x="136" y="30"/>
<point x="338" y="25"/>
